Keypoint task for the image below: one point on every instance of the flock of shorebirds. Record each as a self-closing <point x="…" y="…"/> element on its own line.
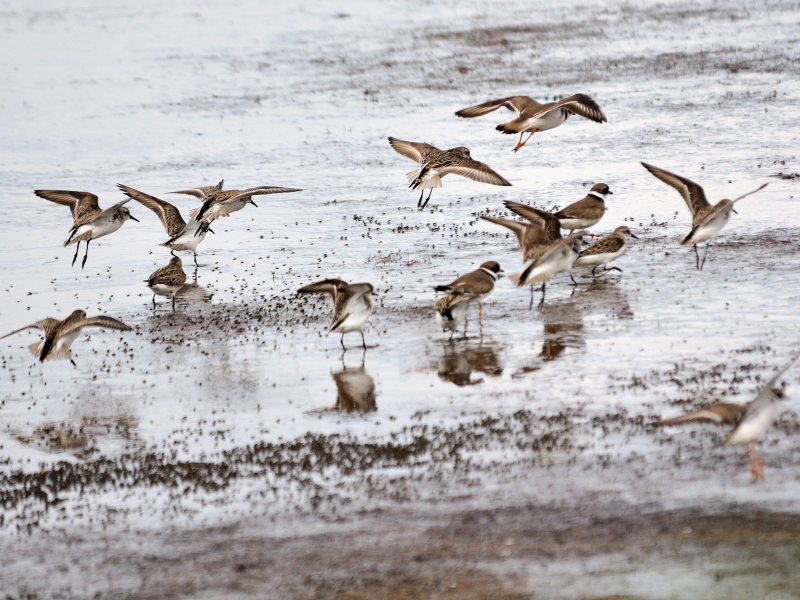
<point x="545" y="250"/>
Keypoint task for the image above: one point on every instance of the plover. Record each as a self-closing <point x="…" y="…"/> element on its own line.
<point x="90" y="222"/>
<point x="167" y="281"/>
<point x="435" y="164"/>
<point x="59" y="335"/>
<point x="472" y="287"/>
<point x="586" y="212"/>
<point x="533" y="116"/>
<point x="352" y="304"/>
<point x="557" y="258"/>
<point x="221" y="203"/>
<point x="606" y="250"/>
<point x="183" y="235"/>
<point x="707" y="220"/>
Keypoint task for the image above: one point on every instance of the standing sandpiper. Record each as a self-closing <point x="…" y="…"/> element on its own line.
<point x="352" y="305"/>
<point x="707" y="220"/>
<point x="606" y="250"/>
<point x="167" y="281"/>
<point x="90" y="222"/>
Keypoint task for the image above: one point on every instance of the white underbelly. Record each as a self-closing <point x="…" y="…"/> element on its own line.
<point x="710" y="230"/>
<point x="457" y="315"/>
<point x="578" y="223"/>
<point x="549" y="121"/>
<point x="356" y="320"/>
<point x="553" y="265"/>
<point x="189" y="240"/>
<point x="600" y="259"/>
<point x="161" y="289"/>
<point x="432" y="179"/>
<point x="751" y="429"/>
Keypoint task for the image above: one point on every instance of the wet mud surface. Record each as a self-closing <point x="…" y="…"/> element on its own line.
<point x="232" y="449"/>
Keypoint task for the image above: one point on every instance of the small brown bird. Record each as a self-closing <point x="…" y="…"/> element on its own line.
<point x="557" y="258"/>
<point x="472" y="287"/>
<point x="352" y="305"/>
<point x="707" y="220"/>
<point x="89" y="221"/>
<point x="221" y="203"/>
<point x="183" y="235"/>
<point x="586" y="212"/>
<point x="533" y="116"/>
<point x="59" y="335"/>
<point x="435" y="164"/>
<point x="606" y="250"/>
<point x="535" y="236"/>
<point x="167" y="281"/>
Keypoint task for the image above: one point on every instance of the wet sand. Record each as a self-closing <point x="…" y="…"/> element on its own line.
<point x="231" y="449"/>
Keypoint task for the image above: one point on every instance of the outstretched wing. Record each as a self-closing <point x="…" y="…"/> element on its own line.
<point x="170" y="216"/>
<point x="475" y="170"/>
<point x="326" y="286"/>
<point x="413" y="150"/>
<point x="262" y="190"/>
<point x="98" y="321"/>
<point x="692" y="193"/>
<point x="723" y="413"/>
<point x="201" y="192"/>
<point x="515" y="104"/>
<point x="46" y="325"/>
<point x="579" y="104"/>
<point x="80" y="203"/>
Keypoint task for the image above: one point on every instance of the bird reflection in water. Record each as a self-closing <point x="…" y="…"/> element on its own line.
<point x="459" y="361"/>
<point x="563" y="319"/>
<point x="355" y="389"/>
<point x="193" y="291"/>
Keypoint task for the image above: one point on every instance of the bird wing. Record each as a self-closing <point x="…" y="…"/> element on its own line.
<point x="46" y="325"/>
<point x="170" y="216"/>
<point x="447" y="302"/>
<point x="413" y="150"/>
<point x="515" y="104"/>
<point x="718" y="413"/>
<point x="98" y="321"/>
<point x="326" y="286"/>
<point x="692" y="193"/>
<point x="472" y="169"/>
<point x="765" y="395"/>
<point x="551" y="249"/>
<point x="606" y="245"/>
<point x="199" y="192"/>
<point x="80" y="203"/>
<point x="537" y="216"/>
<point x="262" y="190"/>
<point x="579" y="104"/>
<point x="518" y="228"/>
<point x="346" y="298"/>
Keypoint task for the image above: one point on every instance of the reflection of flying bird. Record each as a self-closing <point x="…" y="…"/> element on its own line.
<point x="606" y="250"/>
<point x="355" y="390"/>
<point x="752" y="421"/>
<point x="435" y="164"/>
<point x="533" y="116"/>
<point x="472" y="287"/>
<point x="221" y="203"/>
<point x="59" y="335"/>
<point x="707" y="220"/>
<point x="167" y="281"/>
<point x="352" y="304"/>
<point x="183" y="235"/>
<point x="90" y="222"/>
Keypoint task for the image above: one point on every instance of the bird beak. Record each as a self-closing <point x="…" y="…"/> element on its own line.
<point x="635" y="236"/>
<point x="212" y="231"/>
<point x="734" y="210"/>
<point x="253" y="203"/>
<point x="135" y="219"/>
<point x="610" y="192"/>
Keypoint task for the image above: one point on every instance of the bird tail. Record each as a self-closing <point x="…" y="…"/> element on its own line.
<point x="85" y="236"/>
<point x="59" y="354"/>
<point x="419" y="179"/>
<point x="215" y="211"/>
<point x="515" y="126"/>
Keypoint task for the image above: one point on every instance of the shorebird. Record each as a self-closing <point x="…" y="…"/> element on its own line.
<point x="533" y="116"/>
<point x="183" y="235"/>
<point x="90" y="222"/>
<point x="352" y="305"/>
<point x="586" y="212"/>
<point x="558" y="257"/>
<point x="535" y="236"/>
<point x="606" y="250"/>
<point x="752" y="421"/>
<point x="167" y="281"/>
<point x="221" y="203"/>
<point x="59" y="335"/>
<point x="435" y="164"/>
<point x="472" y="287"/>
<point x="707" y="220"/>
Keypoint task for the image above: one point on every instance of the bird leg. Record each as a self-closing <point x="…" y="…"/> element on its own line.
<point x="593" y="270"/>
<point x="154" y="301"/>
<point x="74" y="364"/>
<point x="195" y="260"/>
<point x="703" y="264"/>
<point x="77" y="249"/>
<point x="342" y="342"/>
<point x="575" y="283"/>
<point x="85" y="256"/>
<point x="696" y="258"/>
<point x="173" y="302"/>
<point x="520" y="144"/>
<point x="530" y="306"/>
<point x="480" y="314"/>
<point x="606" y="270"/>
<point x="424" y="204"/>
<point x="363" y="343"/>
<point x="756" y="464"/>
<point x="172" y="251"/>
<point x="541" y="302"/>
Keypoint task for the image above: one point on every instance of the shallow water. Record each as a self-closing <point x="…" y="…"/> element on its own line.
<point x="227" y="409"/>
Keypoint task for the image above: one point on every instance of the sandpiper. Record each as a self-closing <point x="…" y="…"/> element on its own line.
<point x="183" y="235"/>
<point x="451" y="312"/>
<point x="221" y="203"/>
<point x="557" y="258"/>
<point x="167" y="281"/>
<point x="472" y="287"/>
<point x="90" y="222"/>
<point x="535" y="236"/>
<point x="707" y="220"/>
<point x="435" y="164"/>
<point x="352" y="305"/>
<point x="59" y="335"/>
<point x="586" y="212"/>
<point x="533" y="116"/>
<point x="606" y="250"/>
